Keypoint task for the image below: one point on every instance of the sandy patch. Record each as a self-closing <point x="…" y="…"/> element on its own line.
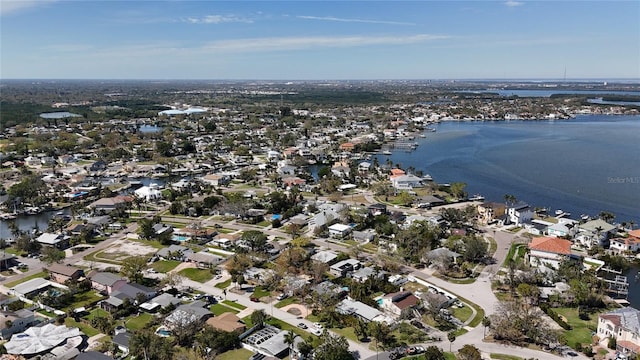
<point x="122" y="249"/>
<point x="297" y="310"/>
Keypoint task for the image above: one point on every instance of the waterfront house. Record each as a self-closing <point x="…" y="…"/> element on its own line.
<point x="548" y="252"/>
<point x="630" y="243"/>
<point x="406" y="181"/>
<point x="107" y="205"/>
<point x="490" y="212"/>
<point x="594" y="233"/>
<point x="623" y="325"/>
<point x="58" y="241"/>
<point x="519" y="214"/>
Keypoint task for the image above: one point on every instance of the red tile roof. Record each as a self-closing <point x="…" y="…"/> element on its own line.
<point x="551" y="245"/>
<point x="635" y="233"/>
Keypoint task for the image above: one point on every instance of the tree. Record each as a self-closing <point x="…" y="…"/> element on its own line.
<point x="173" y="279"/>
<point x="469" y="352"/>
<point x="305" y="349"/>
<point x="433" y="353"/>
<point x="258" y="317"/>
<point x="133" y="268"/>
<point x="486" y="322"/>
<point x="475" y="249"/>
<point x="451" y="336"/>
<point x="509" y="199"/>
<point x="144" y="344"/>
<point x="256" y="240"/>
<point x="457" y="190"/>
<point x="290" y="339"/>
<point x="145" y="228"/>
<point x="333" y="347"/>
<point x="52" y="255"/>
<point x="606" y="216"/>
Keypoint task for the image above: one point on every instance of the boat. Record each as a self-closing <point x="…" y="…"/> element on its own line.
<point x="423" y="136"/>
<point x="7" y="216"/>
<point x="476" y="197"/>
<point x="559" y="212"/>
<point x="386" y="152"/>
<point x="430" y="129"/>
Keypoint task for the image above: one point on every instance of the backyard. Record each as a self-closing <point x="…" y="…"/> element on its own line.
<point x="199" y="275"/>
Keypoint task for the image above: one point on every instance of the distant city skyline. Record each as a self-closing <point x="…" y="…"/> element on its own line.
<point x="318" y="40"/>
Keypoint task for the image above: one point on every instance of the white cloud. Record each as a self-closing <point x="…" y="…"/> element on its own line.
<point x="513" y="3"/>
<point x="217" y="19"/>
<point x="330" y="18"/>
<point x="294" y="43"/>
<point x="12" y="6"/>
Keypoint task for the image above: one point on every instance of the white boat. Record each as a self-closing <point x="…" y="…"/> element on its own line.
<point x="386" y="152"/>
<point x="476" y="197"/>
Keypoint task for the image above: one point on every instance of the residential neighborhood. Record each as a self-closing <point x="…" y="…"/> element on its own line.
<point x="233" y="230"/>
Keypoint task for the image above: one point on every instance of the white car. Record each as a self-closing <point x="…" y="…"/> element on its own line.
<point x="318" y="326"/>
<point x="316" y="332"/>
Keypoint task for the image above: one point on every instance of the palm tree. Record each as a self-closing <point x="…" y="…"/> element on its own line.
<point x="486" y="322"/>
<point x="289" y="339"/>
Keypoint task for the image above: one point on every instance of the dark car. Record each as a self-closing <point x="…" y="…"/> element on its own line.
<point x="302" y="326"/>
<point x="255" y="299"/>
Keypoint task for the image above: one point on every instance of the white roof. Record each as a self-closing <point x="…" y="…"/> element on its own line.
<point x="49" y="238"/>
<point x="39" y="339"/>
<point x="339" y="227"/>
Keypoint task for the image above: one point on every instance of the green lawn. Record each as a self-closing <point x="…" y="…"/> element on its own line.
<point x="504" y="357"/>
<point x="85" y="299"/>
<point x="41" y="274"/>
<point x="85" y="328"/>
<point x="97" y="313"/>
<point x="247" y="321"/>
<point x="238" y="354"/>
<point x="463" y="314"/>
<point x="218" y="309"/>
<point x="347" y="332"/>
<point x="234" y="304"/>
<point x="286" y="327"/>
<point x="138" y="322"/>
<point x="259" y="292"/>
<point x="450" y="356"/>
<point x="223" y="285"/>
<point x="199" y="275"/>
<point x="285" y="302"/>
<point x="164" y="266"/>
<point x="581" y="330"/>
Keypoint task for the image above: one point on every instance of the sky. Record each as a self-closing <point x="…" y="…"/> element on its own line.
<point x="319" y="40"/>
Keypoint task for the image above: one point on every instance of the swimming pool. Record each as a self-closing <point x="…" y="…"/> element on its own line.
<point x="180" y="238"/>
<point x="163" y="331"/>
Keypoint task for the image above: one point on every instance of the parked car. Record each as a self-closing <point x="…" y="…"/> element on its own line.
<point x="281" y="297"/>
<point x="302" y="326"/>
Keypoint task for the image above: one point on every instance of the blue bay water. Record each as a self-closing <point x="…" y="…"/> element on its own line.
<point x="583" y="165"/>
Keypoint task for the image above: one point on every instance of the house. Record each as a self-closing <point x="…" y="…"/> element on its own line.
<point x="174" y="252"/>
<point x="395" y="303"/>
<point x="548" y="251"/>
<point x="216" y="179"/>
<point x="325" y="257"/>
<point x="377" y="209"/>
<point x="329" y="289"/>
<point x="559" y="230"/>
<point x="61" y="273"/>
<point x="538" y="227"/>
<point x="489" y="212"/>
<point x="104" y="282"/>
<point x="406" y="181"/>
<point x="107" y="205"/>
<point x="15" y="322"/>
<point x="228" y="322"/>
<point x="344" y="267"/>
<point x="594" y="233"/>
<point x="347" y="146"/>
<point x="204" y="259"/>
<point x="257" y="275"/>
<point x="363" y="274"/>
<point x="339" y="230"/>
<point x="360" y="310"/>
<point x="630" y="243"/>
<point x="31" y="288"/>
<point x="161" y="301"/>
<point x="188" y="314"/>
<point x="364" y="236"/>
<point x="122" y="341"/>
<point x="55" y="240"/>
<point x="519" y="213"/>
<point x="429" y="201"/>
<point x="148" y="193"/>
<point x="623" y="325"/>
<point x="124" y="291"/>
